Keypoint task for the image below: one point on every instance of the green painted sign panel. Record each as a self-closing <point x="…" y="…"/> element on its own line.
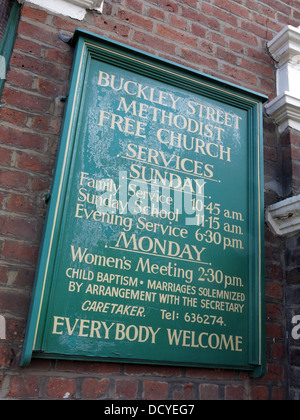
<point x="153" y="246"/>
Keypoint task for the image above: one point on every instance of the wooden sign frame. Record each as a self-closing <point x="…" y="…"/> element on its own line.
<point x="159" y="279"/>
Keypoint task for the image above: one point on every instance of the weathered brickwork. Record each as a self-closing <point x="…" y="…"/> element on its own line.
<point x="223" y="38"/>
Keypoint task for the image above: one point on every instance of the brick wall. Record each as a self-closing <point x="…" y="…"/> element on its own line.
<point x="291" y="185"/>
<point x="223" y="38"/>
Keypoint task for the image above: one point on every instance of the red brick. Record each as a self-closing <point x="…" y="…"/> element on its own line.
<point x="278" y="394"/>
<point x="16" y="251"/>
<point x="83" y="367"/>
<point x="176" y="35"/>
<point x="236" y="46"/>
<point x="3" y="275"/>
<point x="28" y="46"/>
<point x="46" y="125"/>
<point x="60" y="388"/>
<point x="225" y="55"/>
<point x="296" y="14"/>
<point x="20" y="204"/>
<point x="211" y="374"/>
<point x="20" y="138"/>
<point x="200" y="60"/>
<point x="191" y="3"/>
<point x="6" y="356"/>
<point x="42" y="33"/>
<point x="209" y="392"/>
<point x="192" y="14"/>
<point x="136" y="5"/>
<point x="184" y="392"/>
<point x="233" y="7"/>
<point x="13" y="117"/>
<point x="178" y="22"/>
<point x="220" y="14"/>
<point x="59" y="56"/>
<point x="218" y="39"/>
<point x="169" y="6"/>
<point x="40" y="185"/>
<point x="262" y="70"/>
<point x="18" y="227"/>
<point x="41" y="123"/>
<point x="267" y="12"/>
<point x="274" y="271"/>
<point x="295" y="152"/>
<point x="17" y="78"/>
<point x="34" y="14"/>
<point x="50" y="87"/>
<point x="198" y="30"/>
<point x="14" y="302"/>
<point x="94" y="388"/>
<point x="13" y="179"/>
<point x="15" y="330"/>
<point x="155" y="390"/>
<point x="39" y="66"/>
<point x="274" y="372"/>
<point x="296" y="169"/>
<point x="24" y="387"/>
<point x="277" y="351"/>
<point x="240" y="75"/>
<point x="259" y="393"/>
<point x="201" y="18"/>
<point x="153" y="370"/>
<point x="156" y="13"/>
<point x="207" y="47"/>
<point x="234" y="392"/>
<point x="252" y="4"/>
<point x="23" y="100"/>
<point x="5" y="156"/>
<point x="24" y="278"/>
<point x="34" y="163"/>
<point x="109" y="368"/>
<point x="280" y="6"/>
<point x="153" y="41"/>
<point x="273" y="311"/>
<point x="65" y="24"/>
<point x="1" y="199"/>
<point x="136" y="19"/>
<point x="126" y="388"/>
<point x="111" y="26"/>
<point x="242" y="36"/>
<point x="274" y="290"/>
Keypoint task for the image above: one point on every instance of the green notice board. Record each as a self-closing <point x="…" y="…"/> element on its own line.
<point x="153" y="245"/>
